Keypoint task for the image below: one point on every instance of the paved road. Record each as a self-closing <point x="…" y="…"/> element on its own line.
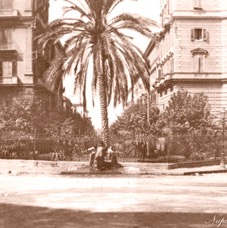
<point x="173" y="196"/>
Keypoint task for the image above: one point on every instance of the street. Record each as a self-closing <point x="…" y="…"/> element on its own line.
<point x="142" y="201"/>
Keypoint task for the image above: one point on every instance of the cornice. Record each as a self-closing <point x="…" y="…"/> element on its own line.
<point x="201" y="15"/>
<point x="193" y="17"/>
<point x="17" y="20"/>
<point x="211" y="13"/>
<point x="199" y="51"/>
<point x="166" y="84"/>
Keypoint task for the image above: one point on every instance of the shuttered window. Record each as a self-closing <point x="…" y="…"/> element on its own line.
<point x="199" y="34"/>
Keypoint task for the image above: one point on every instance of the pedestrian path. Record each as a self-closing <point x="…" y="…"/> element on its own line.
<point x="24" y="167"/>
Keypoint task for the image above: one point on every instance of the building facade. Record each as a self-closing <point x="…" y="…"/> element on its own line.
<point x="22" y="65"/>
<point x="190" y="51"/>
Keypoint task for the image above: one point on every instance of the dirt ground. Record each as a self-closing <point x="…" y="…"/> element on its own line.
<point x="54" y="201"/>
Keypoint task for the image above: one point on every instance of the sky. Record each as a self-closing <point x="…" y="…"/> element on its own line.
<point x="145" y="8"/>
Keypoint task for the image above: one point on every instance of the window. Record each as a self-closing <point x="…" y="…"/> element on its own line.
<point x="199" y="34"/>
<point x="199" y="56"/>
<point x="172" y="65"/>
<point x="197" y="4"/>
<point x="160" y="73"/>
<point x="6" y="4"/>
<point x="8" y="68"/>
<point x="198" y="63"/>
<point x="5" y="37"/>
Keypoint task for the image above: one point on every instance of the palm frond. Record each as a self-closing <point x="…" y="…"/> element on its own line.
<point x="110" y="5"/>
<point x="54" y="76"/>
<point x="92" y="38"/>
<point x="75" y="7"/>
<point x="136" y="19"/>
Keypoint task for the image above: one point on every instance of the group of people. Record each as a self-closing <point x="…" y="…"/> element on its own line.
<point x="99" y="153"/>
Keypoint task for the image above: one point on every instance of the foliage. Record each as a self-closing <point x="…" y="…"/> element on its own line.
<point x="186" y="111"/>
<point x="25" y="123"/>
<point x="19" y="119"/>
<point x="186" y="124"/>
<point x="134" y="120"/>
<point x="197" y="144"/>
<point x="96" y="39"/>
<point x="67" y="127"/>
<point x="132" y="127"/>
<point x="188" y="119"/>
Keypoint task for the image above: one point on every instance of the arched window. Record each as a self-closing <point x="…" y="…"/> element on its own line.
<point x="197" y="4"/>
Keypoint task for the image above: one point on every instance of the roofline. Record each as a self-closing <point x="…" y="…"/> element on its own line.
<point x="149" y="47"/>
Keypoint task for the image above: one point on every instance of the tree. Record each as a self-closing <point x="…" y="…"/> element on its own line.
<point x="190" y="124"/>
<point x="94" y="38"/>
<point x="132" y="126"/>
<point x="134" y="119"/>
<point x="186" y="109"/>
<point x="26" y="124"/>
<point x="68" y="127"/>
<point x="19" y="119"/>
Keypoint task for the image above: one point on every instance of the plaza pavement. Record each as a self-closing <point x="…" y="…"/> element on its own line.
<point x="34" y="194"/>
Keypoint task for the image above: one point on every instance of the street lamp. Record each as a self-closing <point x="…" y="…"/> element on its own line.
<point x="147" y="102"/>
<point x="222" y="164"/>
<point x="148" y="121"/>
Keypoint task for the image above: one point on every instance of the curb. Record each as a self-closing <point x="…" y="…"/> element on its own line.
<point x="205" y="172"/>
<point x="90" y="173"/>
<point x="116" y="173"/>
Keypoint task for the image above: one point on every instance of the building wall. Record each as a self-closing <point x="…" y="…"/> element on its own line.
<point x="183" y="54"/>
<point x="181" y="57"/>
<point x="20" y="22"/>
<point x="21" y="65"/>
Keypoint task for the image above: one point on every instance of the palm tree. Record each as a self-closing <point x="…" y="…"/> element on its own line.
<point x="96" y="39"/>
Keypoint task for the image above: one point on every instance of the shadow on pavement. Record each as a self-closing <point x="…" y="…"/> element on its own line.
<point x="15" y="216"/>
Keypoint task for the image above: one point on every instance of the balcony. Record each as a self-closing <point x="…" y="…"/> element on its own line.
<point x="8" y="80"/>
<point x="8" y="13"/>
<point x="8" y="47"/>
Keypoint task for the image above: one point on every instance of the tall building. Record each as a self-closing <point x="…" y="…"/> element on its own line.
<point x="190" y="51"/>
<point x="22" y="65"/>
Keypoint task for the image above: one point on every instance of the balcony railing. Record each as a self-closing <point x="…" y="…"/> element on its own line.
<point x="8" y="46"/>
<point x="9" y="13"/>
<point x="8" y="80"/>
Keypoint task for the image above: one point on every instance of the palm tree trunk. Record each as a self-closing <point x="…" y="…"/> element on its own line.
<point x="99" y="61"/>
<point x="104" y="112"/>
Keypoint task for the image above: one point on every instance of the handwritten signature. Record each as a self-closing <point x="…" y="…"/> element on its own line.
<point x="217" y="220"/>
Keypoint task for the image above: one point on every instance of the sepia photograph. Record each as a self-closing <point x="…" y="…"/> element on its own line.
<point x="113" y="113"/>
